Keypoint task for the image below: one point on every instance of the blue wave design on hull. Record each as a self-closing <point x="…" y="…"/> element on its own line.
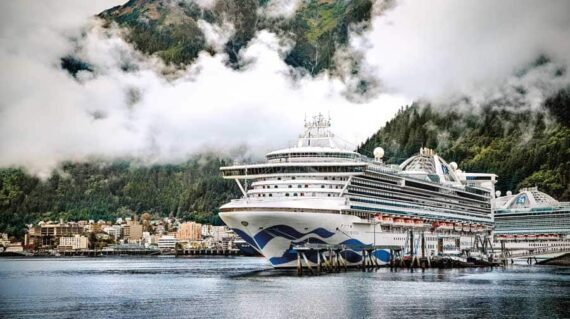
<point x="352" y="255"/>
<point x="246" y="237"/>
<point x="287" y="232"/>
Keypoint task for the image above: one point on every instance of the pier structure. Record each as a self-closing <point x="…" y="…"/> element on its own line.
<point x="413" y="254"/>
<point x="208" y="252"/>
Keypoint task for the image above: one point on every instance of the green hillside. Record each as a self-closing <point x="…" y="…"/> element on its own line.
<point x="170" y="29"/>
<point x="524" y="147"/>
<point x="192" y="191"/>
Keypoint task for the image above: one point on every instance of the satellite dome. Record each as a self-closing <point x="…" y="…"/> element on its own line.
<point x="509" y="193"/>
<point x="453" y="165"/>
<point x="378" y="153"/>
<point x="498" y="193"/>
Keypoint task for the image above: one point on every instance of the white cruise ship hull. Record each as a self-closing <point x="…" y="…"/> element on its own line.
<point x="274" y="234"/>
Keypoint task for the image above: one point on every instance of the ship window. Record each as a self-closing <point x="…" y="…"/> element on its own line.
<point x="294" y="194"/>
<point x="322" y="186"/>
<point x="278" y="178"/>
<point x="270" y="195"/>
<point x="329" y="195"/>
<point x="313" y="194"/>
<point x="275" y="186"/>
<point x="286" y="194"/>
<point x="299" y="186"/>
<point x="290" y="186"/>
<point x="306" y="185"/>
<point x="326" y="178"/>
<point x="333" y="178"/>
<point x="293" y="177"/>
<point x="302" y="194"/>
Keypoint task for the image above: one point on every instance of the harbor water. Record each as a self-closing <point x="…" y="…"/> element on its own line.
<point x="247" y="287"/>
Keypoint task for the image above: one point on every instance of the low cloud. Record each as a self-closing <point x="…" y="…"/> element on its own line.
<point x="440" y="49"/>
<point x="124" y="107"/>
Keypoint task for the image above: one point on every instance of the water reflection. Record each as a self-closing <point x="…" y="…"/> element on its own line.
<point x="249" y="288"/>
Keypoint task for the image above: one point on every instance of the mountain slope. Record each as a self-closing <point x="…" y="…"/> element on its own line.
<point x="170" y="29"/>
<point x="192" y="191"/>
<point x="524" y="147"/>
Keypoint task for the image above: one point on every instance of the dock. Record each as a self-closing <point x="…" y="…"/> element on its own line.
<point x="332" y="258"/>
<point x="208" y="252"/>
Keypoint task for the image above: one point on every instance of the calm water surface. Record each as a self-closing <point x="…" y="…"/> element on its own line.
<point x="245" y="287"/>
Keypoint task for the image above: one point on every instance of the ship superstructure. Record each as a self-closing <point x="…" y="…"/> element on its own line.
<point x="317" y="192"/>
<point x="532" y="220"/>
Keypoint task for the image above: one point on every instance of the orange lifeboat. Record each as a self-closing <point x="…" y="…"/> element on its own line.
<point x="418" y="223"/>
<point x="398" y="221"/>
<point x="531" y="237"/>
<point x="387" y="220"/>
<point x="409" y="222"/>
<point x="458" y="227"/>
<point x="480" y="228"/>
<point x="510" y="237"/>
<point x="436" y="225"/>
<point x="466" y="228"/>
<point x="448" y="226"/>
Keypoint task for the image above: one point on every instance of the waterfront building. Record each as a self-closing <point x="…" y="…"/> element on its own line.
<point x="115" y="231"/>
<point x="189" y="231"/>
<point x="132" y="231"/>
<point x="73" y="243"/>
<point x="532" y="219"/>
<point x="15" y="247"/>
<point x="46" y="234"/>
<point x="317" y="192"/>
<point x="167" y="242"/>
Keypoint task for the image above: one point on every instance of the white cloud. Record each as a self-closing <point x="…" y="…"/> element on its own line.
<point x="431" y="49"/>
<point x="47" y="116"/>
<point x="281" y="8"/>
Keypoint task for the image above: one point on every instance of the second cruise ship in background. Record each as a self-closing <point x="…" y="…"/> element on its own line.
<point x="317" y="192"/>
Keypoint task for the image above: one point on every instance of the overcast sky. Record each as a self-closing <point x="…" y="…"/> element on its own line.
<point x="416" y="50"/>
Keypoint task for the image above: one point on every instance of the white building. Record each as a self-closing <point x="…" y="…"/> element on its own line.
<point x="115" y="231"/>
<point x="73" y="243"/>
<point x="167" y="242"/>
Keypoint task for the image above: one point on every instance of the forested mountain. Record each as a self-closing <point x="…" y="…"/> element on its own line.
<point x="171" y="30"/>
<point x="524" y="147"/>
<point x="191" y="191"/>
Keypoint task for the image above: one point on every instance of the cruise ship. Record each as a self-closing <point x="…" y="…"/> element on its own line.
<point x="532" y="221"/>
<point x="320" y="193"/>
